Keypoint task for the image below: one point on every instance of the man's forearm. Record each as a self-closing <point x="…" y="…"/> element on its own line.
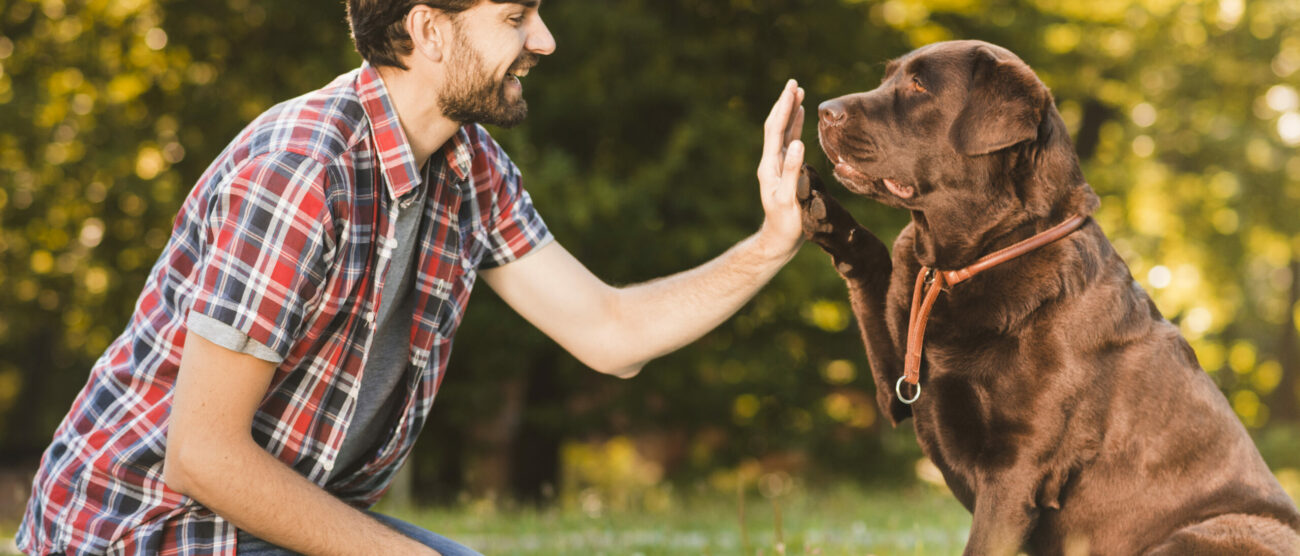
<point x="257" y="493"/>
<point x="657" y="317"/>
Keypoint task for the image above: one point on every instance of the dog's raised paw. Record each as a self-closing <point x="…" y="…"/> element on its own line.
<point x="817" y="209"/>
<point x="832" y="228"/>
<point x="813" y="202"/>
<point x="809" y="181"/>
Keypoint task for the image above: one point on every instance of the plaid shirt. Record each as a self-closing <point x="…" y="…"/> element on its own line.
<point x="287" y="237"/>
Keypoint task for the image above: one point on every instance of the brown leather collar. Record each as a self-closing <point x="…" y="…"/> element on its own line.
<point x="923" y="299"/>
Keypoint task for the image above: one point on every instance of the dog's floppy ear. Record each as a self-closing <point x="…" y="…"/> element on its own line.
<point x="1003" y="107"/>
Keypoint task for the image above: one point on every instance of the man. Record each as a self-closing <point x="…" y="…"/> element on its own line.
<point x="311" y="288"/>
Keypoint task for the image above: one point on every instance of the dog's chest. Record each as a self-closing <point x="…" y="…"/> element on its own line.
<point x="970" y="425"/>
<point x="976" y="410"/>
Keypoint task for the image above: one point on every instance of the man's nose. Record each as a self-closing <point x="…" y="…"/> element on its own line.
<point x="831" y="112"/>
<point x="540" y="40"/>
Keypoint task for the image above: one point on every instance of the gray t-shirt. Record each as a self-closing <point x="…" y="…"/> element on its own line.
<point x="380" y="395"/>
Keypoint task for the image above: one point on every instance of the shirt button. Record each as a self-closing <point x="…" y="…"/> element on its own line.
<point x="329" y="466"/>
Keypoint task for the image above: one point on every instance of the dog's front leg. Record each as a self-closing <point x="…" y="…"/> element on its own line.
<point x="1003" y="517"/>
<point x="863" y="261"/>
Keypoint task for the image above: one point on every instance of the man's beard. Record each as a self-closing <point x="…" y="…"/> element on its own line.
<point x="475" y="97"/>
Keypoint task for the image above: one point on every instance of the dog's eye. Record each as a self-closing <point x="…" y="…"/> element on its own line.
<point x="917" y="86"/>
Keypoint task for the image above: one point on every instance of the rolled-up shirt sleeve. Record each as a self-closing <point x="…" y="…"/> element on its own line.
<point x="516" y="228"/>
<point x="228" y="337"/>
<point x="268" y="240"/>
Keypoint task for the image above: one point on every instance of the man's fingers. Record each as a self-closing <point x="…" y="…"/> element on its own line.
<point x="790" y="169"/>
<point x="776" y="119"/>
<point x="774" y="128"/>
<point x="793" y="156"/>
<point x="795" y="127"/>
<point x="793" y="132"/>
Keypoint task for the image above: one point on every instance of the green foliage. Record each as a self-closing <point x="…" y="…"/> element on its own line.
<point x="109" y="112"/>
<point x="640" y="151"/>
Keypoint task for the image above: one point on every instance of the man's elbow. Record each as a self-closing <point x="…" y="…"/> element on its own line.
<point x="619" y="370"/>
<point x="608" y="362"/>
<point x="188" y="466"/>
<point x="176" y="470"/>
<point x="605" y="350"/>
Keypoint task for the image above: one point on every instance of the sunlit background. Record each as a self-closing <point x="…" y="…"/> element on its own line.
<point x="640" y="152"/>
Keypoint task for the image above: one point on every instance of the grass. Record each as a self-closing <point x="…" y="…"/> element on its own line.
<point x="842" y="521"/>
<point x="846" y="521"/>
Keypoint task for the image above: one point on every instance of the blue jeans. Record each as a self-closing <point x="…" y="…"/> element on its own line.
<point x="253" y="546"/>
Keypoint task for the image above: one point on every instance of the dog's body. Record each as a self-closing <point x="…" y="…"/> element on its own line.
<point x="1064" y="411"/>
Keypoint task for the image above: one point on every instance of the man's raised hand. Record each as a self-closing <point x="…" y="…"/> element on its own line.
<point x="778" y="172"/>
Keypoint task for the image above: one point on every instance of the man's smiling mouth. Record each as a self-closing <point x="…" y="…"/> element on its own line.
<point x="514" y="77"/>
<point x="522" y="66"/>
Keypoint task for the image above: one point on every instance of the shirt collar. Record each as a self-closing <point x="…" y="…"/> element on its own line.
<point x="394" y="151"/>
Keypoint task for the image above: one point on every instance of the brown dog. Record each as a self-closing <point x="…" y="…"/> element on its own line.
<point x="1064" y="411"/>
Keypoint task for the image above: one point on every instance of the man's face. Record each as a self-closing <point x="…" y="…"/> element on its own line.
<point x="493" y="46"/>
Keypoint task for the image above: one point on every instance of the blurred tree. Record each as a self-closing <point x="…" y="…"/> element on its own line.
<point x="111" y="111"/>
<point x="640" y="152"/>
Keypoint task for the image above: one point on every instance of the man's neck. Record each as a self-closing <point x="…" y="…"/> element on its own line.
<point x="426" y="128"/>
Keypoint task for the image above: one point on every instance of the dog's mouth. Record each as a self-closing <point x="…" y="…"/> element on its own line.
<point x="850" y="175"/>
<point x="858" y="181"/>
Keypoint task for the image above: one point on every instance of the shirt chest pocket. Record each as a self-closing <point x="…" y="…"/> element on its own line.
<point x="473" y="247"/>
<point x="450" y="255"/>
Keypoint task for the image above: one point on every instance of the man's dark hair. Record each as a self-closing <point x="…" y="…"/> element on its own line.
<point x="379" y="26"/>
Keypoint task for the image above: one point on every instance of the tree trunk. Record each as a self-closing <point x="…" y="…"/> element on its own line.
<point x="441" y="478"/>
<point x="1285" y="400"/>
<point x="40" y="406"/>
<point x="401" y="492"/>
<point x="535" y="453"/>
<point x="493" y="442"/>
<point x="1094" y="114"/>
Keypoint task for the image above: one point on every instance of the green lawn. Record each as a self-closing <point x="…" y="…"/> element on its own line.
<point x="848" y="521"/>
<point x="845" y="521"/>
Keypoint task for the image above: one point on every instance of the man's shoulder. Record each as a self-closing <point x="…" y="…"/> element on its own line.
<point x="313" y="135"/>
<point x="323" y="125"/>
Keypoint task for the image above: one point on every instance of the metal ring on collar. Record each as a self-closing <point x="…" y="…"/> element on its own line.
<point x="898" y="389"/>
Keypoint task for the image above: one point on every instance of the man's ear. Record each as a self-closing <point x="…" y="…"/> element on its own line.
<point x="429" y="30"/>
<point x="1003" y="106"/>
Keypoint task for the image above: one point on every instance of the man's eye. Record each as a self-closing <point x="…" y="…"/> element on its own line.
<point x="917" y="86"/>
<point x="516" y="20"/>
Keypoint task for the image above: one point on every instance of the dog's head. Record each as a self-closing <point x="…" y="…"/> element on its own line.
<point x="961" y="132"/>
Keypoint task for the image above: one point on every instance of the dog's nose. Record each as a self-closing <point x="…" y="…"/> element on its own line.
<point x="831" y="112"/>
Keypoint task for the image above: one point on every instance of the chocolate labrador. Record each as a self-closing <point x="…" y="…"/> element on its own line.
<point x="1064" y="411"/>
